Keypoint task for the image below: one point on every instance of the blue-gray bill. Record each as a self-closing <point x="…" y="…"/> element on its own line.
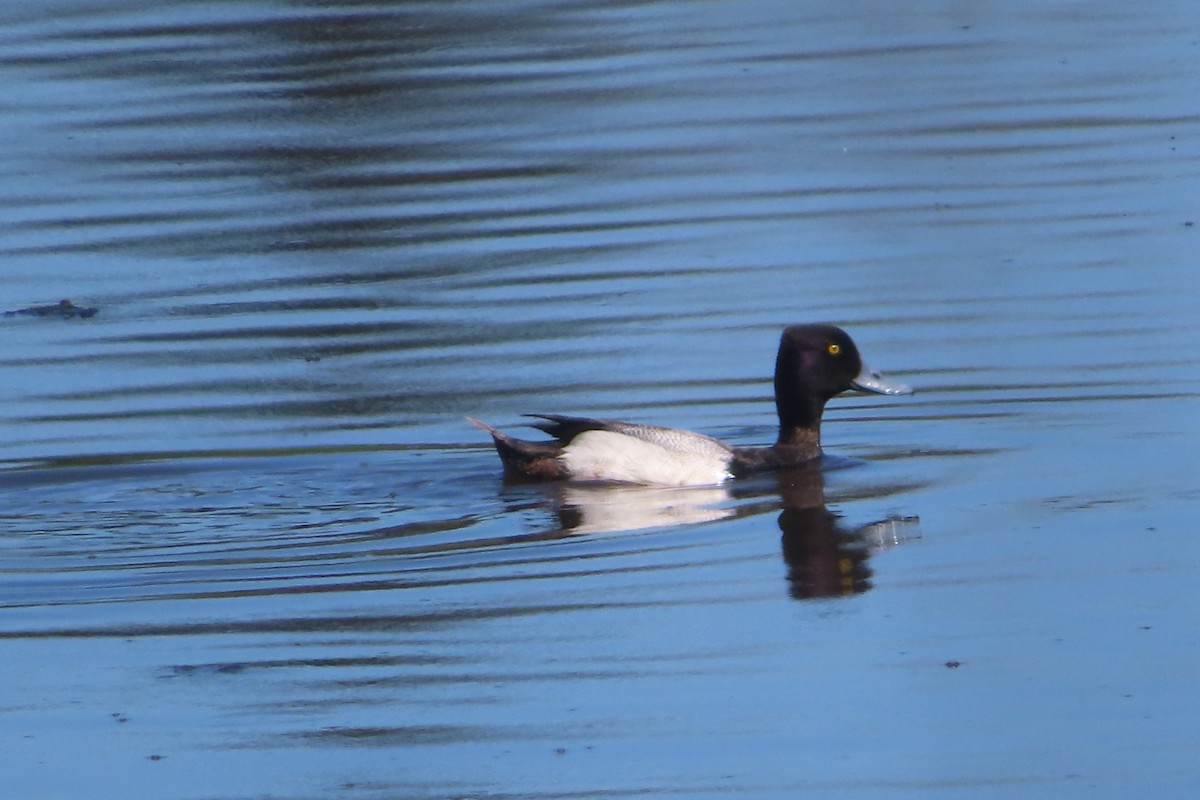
<point x="870" y="381"/>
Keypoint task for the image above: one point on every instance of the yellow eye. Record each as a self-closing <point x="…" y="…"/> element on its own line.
<point x="835" y="349"/>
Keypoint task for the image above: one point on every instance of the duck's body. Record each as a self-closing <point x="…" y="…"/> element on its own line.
<point x="607" y="450"/>
<point x="815" y="362"/>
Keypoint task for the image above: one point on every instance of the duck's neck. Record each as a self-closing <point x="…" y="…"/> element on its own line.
<point x="799" y="409"/>
<point x="800" y="437"/>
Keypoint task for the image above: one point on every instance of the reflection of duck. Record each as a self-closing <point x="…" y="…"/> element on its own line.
<point x="609" y="508"/>
<point x="814" y="363"/>
<point x="824" y="559"/>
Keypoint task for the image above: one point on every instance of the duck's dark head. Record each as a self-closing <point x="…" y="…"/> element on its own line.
<point x="815" y="363"/>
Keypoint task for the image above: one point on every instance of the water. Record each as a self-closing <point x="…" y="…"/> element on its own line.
<point x="249" y="548"/>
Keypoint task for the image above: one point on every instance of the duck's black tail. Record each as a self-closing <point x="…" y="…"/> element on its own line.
<point x="536" y="461"/>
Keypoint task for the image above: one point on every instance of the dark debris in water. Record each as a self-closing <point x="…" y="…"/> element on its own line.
<point x="63" y="309"/>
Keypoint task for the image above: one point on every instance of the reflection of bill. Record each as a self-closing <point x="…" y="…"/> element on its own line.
<point x="823" y="557"/>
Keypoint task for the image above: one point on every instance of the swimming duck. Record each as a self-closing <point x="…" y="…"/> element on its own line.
<point x="814" y="363"/>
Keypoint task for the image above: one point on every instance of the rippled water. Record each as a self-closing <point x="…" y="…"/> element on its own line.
<point x="249" y="548"/>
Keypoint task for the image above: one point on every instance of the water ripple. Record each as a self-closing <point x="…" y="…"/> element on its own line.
<point x="249" y="546"/>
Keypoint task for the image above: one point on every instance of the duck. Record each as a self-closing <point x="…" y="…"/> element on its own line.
<point x="815" y="363"/>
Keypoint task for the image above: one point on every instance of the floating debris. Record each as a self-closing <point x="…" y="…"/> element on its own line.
<point x="63" y="308"/>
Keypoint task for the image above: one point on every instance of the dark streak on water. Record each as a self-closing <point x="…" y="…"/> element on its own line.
<point x="248" y="547"/>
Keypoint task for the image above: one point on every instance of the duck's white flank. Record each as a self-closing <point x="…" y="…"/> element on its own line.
<point x="609" y="456"/>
